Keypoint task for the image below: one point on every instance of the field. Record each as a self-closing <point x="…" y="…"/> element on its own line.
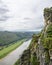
<point x="10" y="48"/>
<point x="17" y="62"/>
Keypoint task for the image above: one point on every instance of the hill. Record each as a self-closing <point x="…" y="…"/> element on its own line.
<point x="7" y="38"/>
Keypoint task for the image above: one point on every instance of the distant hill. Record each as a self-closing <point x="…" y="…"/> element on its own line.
<point x="10" y="37"/>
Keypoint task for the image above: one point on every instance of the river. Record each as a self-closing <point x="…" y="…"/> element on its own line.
<point x="11" y="58"/>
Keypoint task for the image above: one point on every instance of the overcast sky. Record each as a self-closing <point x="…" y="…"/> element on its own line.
<point x="22" y="15"/>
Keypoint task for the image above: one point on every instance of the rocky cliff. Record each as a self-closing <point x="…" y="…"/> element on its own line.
<point x="40" y="50"/>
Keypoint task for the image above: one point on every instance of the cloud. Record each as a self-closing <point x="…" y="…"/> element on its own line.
<point x="27" y="15"/>
<point x="27" y="18"/>
<point x="4" y="18"/>
<point x="3" y="12"/>
<point x="1" y="29"/>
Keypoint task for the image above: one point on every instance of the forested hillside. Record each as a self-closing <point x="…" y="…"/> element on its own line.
<point x="11" y="37"/>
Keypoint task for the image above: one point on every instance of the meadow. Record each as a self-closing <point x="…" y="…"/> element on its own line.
<point x="10" y="48"/>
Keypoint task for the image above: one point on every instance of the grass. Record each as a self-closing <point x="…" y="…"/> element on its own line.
<point x="7" y="50"/>
<point x="17" y="62"/>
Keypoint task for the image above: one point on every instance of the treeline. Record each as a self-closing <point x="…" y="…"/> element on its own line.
<point x="7" y="38"/>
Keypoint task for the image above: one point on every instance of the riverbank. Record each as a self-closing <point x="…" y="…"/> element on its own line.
<point x="9" y="49"/>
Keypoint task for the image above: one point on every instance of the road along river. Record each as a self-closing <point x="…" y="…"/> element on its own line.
<point x="11" y="58"/>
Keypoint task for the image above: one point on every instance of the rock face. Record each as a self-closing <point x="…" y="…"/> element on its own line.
<point x="45" y="40"/>
<point x="41" y="45"/>
<point x="25" y="58"/>
<point x="48" y="15"/>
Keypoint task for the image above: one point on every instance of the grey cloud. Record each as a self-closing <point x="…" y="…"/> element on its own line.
<point x="3" y="10"/>
<point x="4" y="18"/>
<point x="27" y="18"/>
<point x="30" y="12"/>
<point x="0" y="1"/>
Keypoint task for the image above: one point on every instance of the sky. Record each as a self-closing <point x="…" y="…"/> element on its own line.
<point x="22" y="15"/>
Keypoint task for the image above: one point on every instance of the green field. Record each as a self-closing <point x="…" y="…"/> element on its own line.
<point x="7" y="50"/>
<point x="17" y="62"/>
